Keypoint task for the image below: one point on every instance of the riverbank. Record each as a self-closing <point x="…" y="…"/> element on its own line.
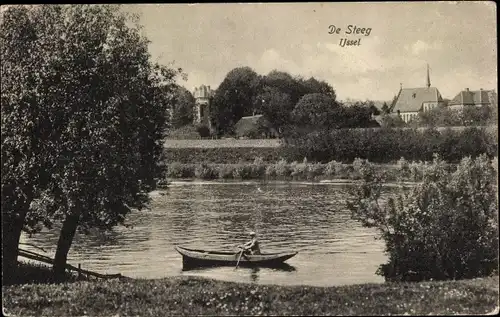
<point x="199" y="296"/>
<point x="259" y="169"/>
<point x="295" y="171"/>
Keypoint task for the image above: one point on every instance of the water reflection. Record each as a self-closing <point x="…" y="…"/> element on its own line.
<point x="311" y="219"/>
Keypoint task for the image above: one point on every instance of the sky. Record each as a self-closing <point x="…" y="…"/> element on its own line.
<point x="457" y="40"/>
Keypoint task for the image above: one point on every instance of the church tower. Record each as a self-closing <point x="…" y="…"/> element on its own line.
<point x="428" y="77"/>
<point x="202" y="96"/>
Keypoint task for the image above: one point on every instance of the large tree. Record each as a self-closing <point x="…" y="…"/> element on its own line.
<point x="276" y="106"/>
<point x="234" y="98"/>
<point x="360" y="115"/>
<point x="183" y="108"/>
<point x="318" y="111"/>
<point x="82" y="120"/>
<point x="280" y="92"/>
<point x="285" y="83"/>
<point x="313" y="85"/>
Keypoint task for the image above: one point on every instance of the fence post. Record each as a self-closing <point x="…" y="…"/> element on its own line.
<point x="79" y="270"/>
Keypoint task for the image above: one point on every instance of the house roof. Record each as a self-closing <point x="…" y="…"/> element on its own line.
<point x="250" y="123"/>
<point x="412" y="99"/>
<point x="471" y="97"/>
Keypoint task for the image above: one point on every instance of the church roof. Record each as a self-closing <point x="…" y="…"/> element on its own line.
<point x="412" y="99"/>
<point x="468" y="97"/>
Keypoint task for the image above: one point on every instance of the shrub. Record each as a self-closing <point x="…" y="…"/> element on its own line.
<point x="443" y="228"/>
<point x="225" y="171"/>
<point x="416" y="170"/>
<point x="282" y="169"/>
<point x="403" y="168"/>
<point x="258" y="168"/>
<point x="178" y="170"/>
<point x="271" y="171"/>
<point x="332" y="168"/>
<point x="203" y="131"/>
<point x="242" y="171"/>
<point x="360" y="167"/>
<point x="258" y="161"/>
<point x="298" y="170"/>
<point x="315" y="170"/>
<point x="204" y="171"/>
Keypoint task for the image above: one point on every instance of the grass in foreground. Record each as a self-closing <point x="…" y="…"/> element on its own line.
<point x="29" y="272"/>
<point x="198" y="296"/>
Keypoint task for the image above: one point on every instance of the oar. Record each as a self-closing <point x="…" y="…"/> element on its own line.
<point x="241" y="253"/>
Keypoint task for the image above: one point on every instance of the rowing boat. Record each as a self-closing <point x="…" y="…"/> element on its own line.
<point x="194" y="258"/>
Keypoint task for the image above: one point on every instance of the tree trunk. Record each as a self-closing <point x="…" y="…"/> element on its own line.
<point x="64" y="244"/>
<point x="11" y="233"/>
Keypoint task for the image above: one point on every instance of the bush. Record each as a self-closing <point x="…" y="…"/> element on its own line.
<point x="225" y="171"/>
<point x="178" y="170"/>
<point x="271" y="171"/>
<point x="443" y="228"/>
<point x="258" y="168"/>
<point x="332" y="168"/>
<point x="242" y="171"/>
<point x="282" y="169"/>
<point x="298" y="170"/>
<point x="416" y="170"/>
<point x="360" y="167"/>
<point x="203" y="131"/>
<point x="315" y="170"/>
<point x="403" y="168"/>
<point x="204" y="171"/>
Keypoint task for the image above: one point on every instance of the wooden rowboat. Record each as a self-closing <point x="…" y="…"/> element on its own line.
<point x="196" y="258"/>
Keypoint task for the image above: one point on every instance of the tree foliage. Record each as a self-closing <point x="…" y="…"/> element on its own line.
<point x="386" y="108"/>
<point x="470" y="115"/>
<point x="443" y="228"/>
<point x="360" y="115"/>
<point x="276" y="106"/>
<point x="182" y="108"/>
<point x="243" y="93"/>
<point x="319" y="111"/>
<point x="82" y="117"/>
<point x="234" y="98"/>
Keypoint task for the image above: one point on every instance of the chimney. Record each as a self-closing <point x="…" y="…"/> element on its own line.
<point x="466" y="89"/>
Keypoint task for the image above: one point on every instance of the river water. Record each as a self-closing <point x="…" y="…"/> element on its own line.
<point x="309" y="218"/>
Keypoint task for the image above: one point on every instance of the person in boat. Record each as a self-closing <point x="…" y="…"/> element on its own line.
<point x="252" y="246"/>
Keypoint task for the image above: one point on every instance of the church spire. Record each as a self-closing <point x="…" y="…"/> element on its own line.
<point x="428" y="77"/>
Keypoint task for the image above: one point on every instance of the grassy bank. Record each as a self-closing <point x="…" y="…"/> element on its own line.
<point x="220" y="155"/>
<point x="30" y="272"/>
<point x="197" y="296"/>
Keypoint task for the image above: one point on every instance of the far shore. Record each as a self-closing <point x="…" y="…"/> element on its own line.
<point x="199" y="181"/>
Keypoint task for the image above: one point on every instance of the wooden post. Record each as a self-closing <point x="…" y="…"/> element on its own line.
<point x="79" y="270"/>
